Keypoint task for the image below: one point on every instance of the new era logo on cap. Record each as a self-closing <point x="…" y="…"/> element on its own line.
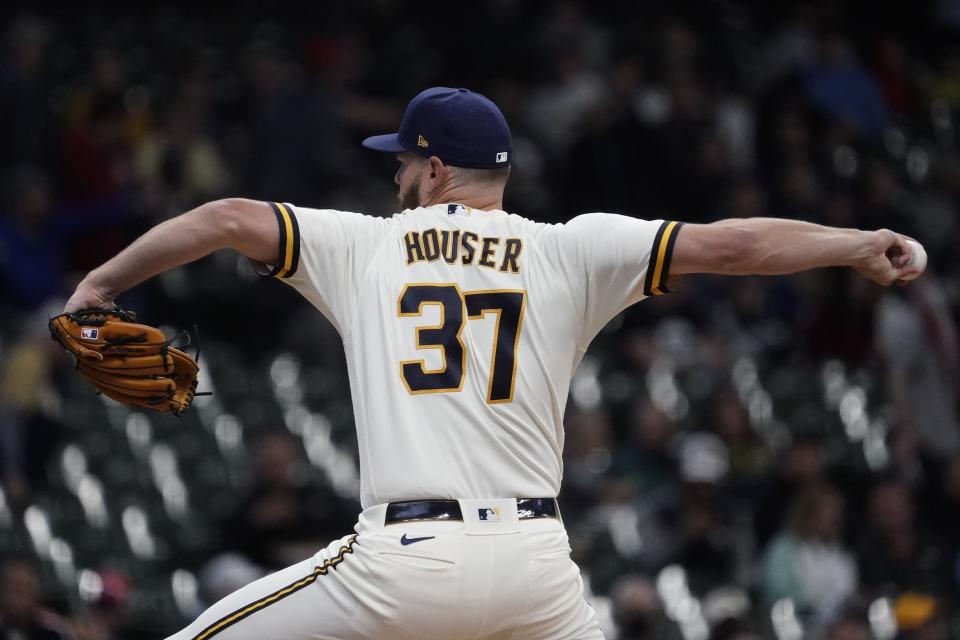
<point x="462" y="128"/>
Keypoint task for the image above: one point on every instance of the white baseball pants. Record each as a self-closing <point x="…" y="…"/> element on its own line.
<point x="476" y="580"/>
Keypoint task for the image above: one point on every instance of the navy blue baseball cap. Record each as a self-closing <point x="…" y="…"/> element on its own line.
<point x="462" y="128"/>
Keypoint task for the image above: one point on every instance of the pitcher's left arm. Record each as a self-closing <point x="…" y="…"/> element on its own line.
<point x="774" y="246"/>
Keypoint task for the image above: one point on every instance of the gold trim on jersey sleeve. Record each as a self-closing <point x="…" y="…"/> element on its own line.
<point x="658" y="281"/>
<point x="278" y="595"/>
<point x="288" y="252"/>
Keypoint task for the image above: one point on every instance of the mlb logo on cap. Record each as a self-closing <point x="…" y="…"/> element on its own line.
<point x="462" y="128"/>
<point x="89" y="333"/>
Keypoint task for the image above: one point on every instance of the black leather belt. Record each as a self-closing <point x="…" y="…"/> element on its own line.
<point x="413" y="510"/>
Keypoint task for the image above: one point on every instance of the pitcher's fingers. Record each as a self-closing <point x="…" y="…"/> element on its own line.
<point x="904" y="251"/>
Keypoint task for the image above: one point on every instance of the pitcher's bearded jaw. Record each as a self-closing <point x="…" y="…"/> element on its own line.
<point x="410" y="199"/>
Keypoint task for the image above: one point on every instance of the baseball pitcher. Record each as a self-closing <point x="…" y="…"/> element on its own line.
<point x="462" y="326"/>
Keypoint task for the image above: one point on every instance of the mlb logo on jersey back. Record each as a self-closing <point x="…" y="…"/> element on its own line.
<point x="489" y="514"/>
<point x="454" y="209"/>
<point x="89" y="333"/>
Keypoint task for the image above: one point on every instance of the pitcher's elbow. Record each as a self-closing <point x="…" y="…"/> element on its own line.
<point x="225" y="215"/>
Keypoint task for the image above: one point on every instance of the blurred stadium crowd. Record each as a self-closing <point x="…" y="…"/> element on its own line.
<point x="745" y="458"/>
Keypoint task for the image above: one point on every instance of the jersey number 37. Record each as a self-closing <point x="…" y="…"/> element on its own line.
<point x="456" y="307"/>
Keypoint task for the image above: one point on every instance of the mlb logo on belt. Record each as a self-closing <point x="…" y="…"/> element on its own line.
<point x="89" y="333"/>
<point x="489" y="514"/>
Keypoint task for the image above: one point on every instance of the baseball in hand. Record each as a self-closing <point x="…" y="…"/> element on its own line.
<point x="916" y="261"/>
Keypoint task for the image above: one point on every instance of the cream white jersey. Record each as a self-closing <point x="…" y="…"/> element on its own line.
<point x="462" y="329"/>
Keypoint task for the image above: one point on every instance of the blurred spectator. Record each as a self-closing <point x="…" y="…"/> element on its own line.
<point x="178" y="165"/>
<point x="706" y="534"/>
<point x="691" y="522"/>
<point x="587" y="459"/>
<point x="637" y="611"/>
<point x="934" y="208"/>
<point x="732" y="629"/>
<point x="107" y="86"/>
<point x="791" y="47"/>
<point x="30" y="254"/>
<point x="745" y="199"/>
<point x="840" y="322"/>
<point x="803" y="464"/>
<point x="22" y="614"/>
<point x="806" y="562"/>
<point x="736" y="131"/>
<point x="848" y="629"/>
<point x="918" y="343"/>
<point x="285" y="518"/>
<point x="942" y="82"/>
<point x="691" y="164"/>
<point x="645" y="460"/>
<point x="285" y="129"/>
<point x="893" y="76"/>
<point x="727" y="610"/>
<point x="30" y="407"/>
<point x="919" y="617"/>
<point x="896" y="555"/>
<point x="841" y="88"/>
<point x="572" y="49"/>
<point x="26" y="124"/>
<point x="798" y="191"/>
<point x="105" y="616"/>
<point x="96" y="160"/>
<point x="39" y="241"/>
<point x="940" y="514"/>
<point x="606" y="152"/>
<point x="884" y="200"/>
<point x="729" y="419"/>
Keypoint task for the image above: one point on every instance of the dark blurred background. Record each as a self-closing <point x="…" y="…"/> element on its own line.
<point x="746" y="458"/>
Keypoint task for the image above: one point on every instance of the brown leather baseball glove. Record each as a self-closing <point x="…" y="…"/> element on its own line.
<point x="132" y="363"/>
